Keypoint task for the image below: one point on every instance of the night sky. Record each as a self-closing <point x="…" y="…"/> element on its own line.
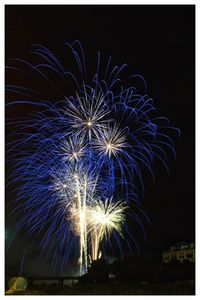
<point x="156" y="42"/>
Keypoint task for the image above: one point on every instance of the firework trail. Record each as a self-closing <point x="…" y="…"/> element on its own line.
<point x="74" y="161"/>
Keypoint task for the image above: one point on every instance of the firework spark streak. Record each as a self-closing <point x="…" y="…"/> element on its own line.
<point x="76" y="161"/>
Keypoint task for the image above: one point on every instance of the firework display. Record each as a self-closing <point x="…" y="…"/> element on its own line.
<point x="76" y="163"/>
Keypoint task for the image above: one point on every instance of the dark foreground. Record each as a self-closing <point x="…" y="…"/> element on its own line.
<point x="176" y="288"/>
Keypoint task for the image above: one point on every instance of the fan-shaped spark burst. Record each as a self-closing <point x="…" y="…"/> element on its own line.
<point x="103" y="217"/>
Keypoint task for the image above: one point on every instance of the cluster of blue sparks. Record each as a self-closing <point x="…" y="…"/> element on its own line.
<point x="106" y="134"/>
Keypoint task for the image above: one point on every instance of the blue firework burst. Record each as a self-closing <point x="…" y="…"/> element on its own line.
<point x="96" y="141"/>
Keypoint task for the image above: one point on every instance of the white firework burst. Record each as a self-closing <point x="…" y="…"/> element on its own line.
<point x="88" y="114"/>
<point x="73" y="149"/>
<point x="112" y="140"/>
<point x="105" y="216"/>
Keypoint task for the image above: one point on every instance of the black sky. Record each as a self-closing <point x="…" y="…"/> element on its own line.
<point x="156" y="41"/>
